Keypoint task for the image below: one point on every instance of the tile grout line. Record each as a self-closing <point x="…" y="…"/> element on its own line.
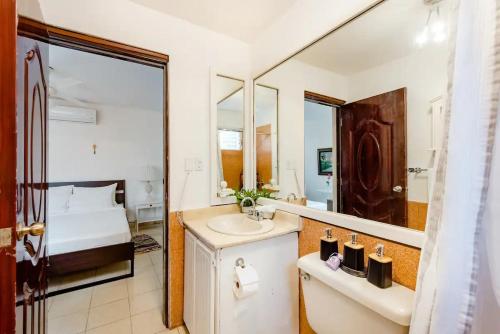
<point x="88" y="311"/>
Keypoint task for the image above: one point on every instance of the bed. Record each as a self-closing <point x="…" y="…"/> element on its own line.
<point x="89" y="238"/>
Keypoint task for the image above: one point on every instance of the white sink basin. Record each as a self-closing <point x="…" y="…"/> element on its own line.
<point x="239" y="224"/>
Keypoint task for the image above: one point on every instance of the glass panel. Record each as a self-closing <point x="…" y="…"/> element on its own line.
<point x="360" y="117"/>
<point x="266" y="137"/>
<point x="230" y="124"/>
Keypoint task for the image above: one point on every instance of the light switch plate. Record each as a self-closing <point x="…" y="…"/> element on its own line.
<point x="193" y="165"/>
<point x="5" y="237"/>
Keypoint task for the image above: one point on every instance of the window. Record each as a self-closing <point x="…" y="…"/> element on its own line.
<point x="230" y="140"/>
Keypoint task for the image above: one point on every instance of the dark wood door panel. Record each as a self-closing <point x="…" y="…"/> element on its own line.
<point x="373" y="157"/>
<point x="32" y="66"/>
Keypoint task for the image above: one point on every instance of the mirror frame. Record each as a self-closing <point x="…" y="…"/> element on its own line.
<point x="398" y="234"/>
<point x="247" y="135"/>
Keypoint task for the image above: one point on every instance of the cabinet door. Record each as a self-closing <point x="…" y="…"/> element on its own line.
<point x="199" y="286"/>
<point x="204" y="290"/>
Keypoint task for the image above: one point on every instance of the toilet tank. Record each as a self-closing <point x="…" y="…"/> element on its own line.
<point x="337" y="302"/>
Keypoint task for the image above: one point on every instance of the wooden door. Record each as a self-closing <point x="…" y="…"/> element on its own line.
<point x="264" y="154"/>
<point x="373" y="158"/>
<point x="32" y="100"/>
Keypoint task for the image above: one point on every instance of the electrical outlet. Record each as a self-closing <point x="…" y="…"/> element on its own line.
<point x="198" y="165"/>
<point x="290" y="165"/>
<point x="193" y="165"/>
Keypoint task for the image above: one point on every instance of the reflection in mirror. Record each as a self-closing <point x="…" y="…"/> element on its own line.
<point x="266" y="137"/>
<point x="230" y="124"/>
<point x="361" y="114"/>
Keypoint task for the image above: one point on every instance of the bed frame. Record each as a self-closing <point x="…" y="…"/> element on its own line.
<point x="67" y="263"/>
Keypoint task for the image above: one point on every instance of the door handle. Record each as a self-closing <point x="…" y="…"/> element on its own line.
<point x="397" y="189"/>
<point x="35" y="229"/>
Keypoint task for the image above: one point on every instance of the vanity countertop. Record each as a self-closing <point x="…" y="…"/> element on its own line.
<point x="196" y="223"/>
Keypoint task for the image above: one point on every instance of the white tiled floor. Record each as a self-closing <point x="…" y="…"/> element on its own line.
<point x="132" y="305"/>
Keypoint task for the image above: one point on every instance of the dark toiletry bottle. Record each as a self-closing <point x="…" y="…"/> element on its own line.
<point x="354" y="254"/>
<point x="379" y="268"/>
<point x="328" y="245"/>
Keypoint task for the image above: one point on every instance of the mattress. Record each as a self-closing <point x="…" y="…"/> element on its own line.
<point x="75" y="231"/>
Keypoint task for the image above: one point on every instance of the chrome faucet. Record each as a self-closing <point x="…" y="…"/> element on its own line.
<point x="251" y="213"/>
<point x="247" y="199"/>
<point x="291" y="196"/>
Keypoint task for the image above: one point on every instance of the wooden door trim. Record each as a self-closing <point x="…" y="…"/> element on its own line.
<point x="323" y="99"/>
<point x="8" y="162"/>
<point x="335" y="103"/>
<point x="79" y="41"/>
<point x="31" y="28"/>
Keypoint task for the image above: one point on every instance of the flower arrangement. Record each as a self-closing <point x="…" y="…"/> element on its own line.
<point x="253" y="194"/>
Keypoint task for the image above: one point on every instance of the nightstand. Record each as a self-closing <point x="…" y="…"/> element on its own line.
<point x="148" y="212"/>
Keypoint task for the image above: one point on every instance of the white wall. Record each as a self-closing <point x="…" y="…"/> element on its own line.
<point x="319" y="132"/>
<point x="423" y="73"/>
<point x="192" y="50"/>
<point x="126" y="140"/>
<point x="292" y="79"/>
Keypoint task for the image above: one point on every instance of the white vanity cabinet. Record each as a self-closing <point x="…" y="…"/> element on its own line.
<point x="210" y="305"/>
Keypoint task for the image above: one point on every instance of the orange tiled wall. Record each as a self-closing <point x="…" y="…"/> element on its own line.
<point x="417" y="215"/>
<point x="175" y="272"/>
<point x="405" y="258"/>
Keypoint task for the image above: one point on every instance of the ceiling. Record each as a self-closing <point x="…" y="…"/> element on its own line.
<point x="384" y="34"/>
<point x="84" y="79"/>
<point x="243" y="20"/>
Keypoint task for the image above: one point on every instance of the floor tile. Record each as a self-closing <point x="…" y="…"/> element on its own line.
<point x="19" y="319"/>
<point x="146" y="301"/>
<point x="156" y="257"/>
<point x="113" y="270"/>
<point x="120" y="327"/>
<point x="149" y="322"/>
<point x="109" y="292"/>
<point x="68" y="324"/>
<point x="108" y="313"/>
<point x="143" y="283"/>
<point x="182" y="330"/>
<point x="77" y="279"/>
<point x="68" y="303"/>
<point x="142" y="260"/>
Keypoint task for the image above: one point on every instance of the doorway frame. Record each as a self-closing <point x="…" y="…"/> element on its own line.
<point x="334" y="103"/>
<point x="50" y="34"/>
<point x="8" y="157"/>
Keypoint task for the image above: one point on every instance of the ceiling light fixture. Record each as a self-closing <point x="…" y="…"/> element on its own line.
<point x="435" y="29"/>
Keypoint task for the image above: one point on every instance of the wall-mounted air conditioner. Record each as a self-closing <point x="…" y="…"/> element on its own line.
<point x="73" y="114"/>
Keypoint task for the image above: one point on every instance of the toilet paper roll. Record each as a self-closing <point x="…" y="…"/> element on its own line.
<point x="245" y="282"/>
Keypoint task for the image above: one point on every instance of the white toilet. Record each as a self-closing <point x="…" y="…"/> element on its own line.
<point x="337" y="302"/>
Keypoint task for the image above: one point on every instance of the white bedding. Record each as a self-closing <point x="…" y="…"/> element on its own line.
<point x="86" y="229"/>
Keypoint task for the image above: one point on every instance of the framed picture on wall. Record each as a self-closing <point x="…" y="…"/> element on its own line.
<point x="325" y="165"/>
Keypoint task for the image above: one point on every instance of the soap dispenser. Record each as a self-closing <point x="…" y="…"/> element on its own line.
<point x="328" y="245"/>
<point x="379" y="268"/>
<point x="354" y="254"/>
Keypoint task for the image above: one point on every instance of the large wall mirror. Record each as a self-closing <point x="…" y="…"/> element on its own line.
<point x="227" y="136"/>
<point x="360" y="114"/>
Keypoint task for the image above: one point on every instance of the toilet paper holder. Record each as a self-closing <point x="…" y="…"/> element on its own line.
<point x="240" y="262"/>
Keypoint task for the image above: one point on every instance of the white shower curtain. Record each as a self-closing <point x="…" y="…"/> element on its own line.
<point x="458" y="274"/>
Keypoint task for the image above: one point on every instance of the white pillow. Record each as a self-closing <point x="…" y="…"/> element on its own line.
<point x="92" y="198"/>
<point x="58" y="198"/>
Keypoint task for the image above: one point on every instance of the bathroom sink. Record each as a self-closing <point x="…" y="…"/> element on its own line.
<point x="239" y="224"/>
